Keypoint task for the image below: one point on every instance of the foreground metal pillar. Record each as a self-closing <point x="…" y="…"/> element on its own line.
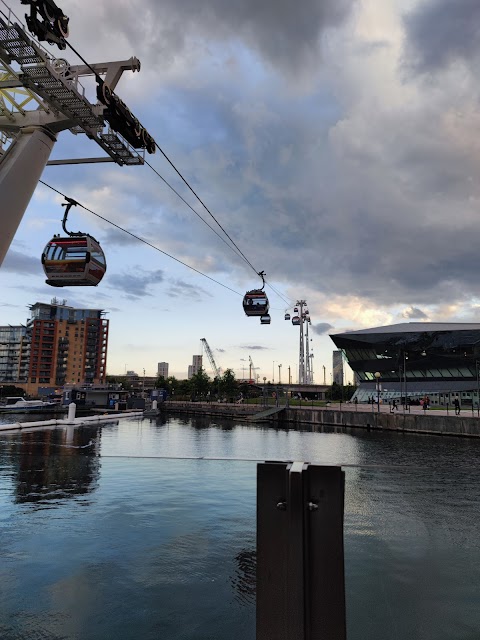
<point x="300" y="560"/>
<point x="20" y="171"/>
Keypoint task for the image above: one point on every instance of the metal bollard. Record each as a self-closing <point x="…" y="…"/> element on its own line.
<point x="72" y="408"/>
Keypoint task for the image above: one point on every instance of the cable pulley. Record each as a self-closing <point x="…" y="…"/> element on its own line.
<point x="47" y="22"/>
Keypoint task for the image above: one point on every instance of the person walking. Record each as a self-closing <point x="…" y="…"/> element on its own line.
<point x="456" y="404"/>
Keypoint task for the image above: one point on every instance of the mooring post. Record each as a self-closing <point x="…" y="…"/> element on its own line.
<point x="300" y="558"/>
<point x="72" y="408"/>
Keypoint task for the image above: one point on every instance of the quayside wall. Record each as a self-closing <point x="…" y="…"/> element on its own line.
<point x="428" y="423"/>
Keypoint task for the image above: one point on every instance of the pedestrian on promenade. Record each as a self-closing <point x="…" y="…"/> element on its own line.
<point x="456" y="404"/>
<point x="394" y="404"/>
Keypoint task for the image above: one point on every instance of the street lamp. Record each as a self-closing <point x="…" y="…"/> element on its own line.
<point x="478" y="386"/>
<point x="273" y="377"/>
<point x="279" y="374"/>
<point x="378" y="375"/>
<point x="405" y="358"/>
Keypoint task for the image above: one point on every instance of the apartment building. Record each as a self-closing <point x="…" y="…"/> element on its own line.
<point x="67" y="345"/>
<point x="14" y="354"/>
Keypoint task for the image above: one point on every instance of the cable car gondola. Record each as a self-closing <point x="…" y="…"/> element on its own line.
<point x="295" y="310"/>
<point x="76" y="260"/>
<point x="287" y="316"/>
<point x="255" y="302"/>
<point x="296" y="320"/>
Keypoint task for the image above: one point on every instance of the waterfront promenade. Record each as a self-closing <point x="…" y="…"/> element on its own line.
<point x="413" y="420"/>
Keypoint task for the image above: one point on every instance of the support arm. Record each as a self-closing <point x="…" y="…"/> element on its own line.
<point x="20" y="171"/>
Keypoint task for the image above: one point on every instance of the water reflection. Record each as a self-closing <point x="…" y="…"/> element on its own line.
<point x="244" y="580"/>
<point x="49" y="466"/>
<point x="142" y="547"/>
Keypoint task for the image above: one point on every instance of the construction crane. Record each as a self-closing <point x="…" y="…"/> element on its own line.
<point x="209" y="353"/>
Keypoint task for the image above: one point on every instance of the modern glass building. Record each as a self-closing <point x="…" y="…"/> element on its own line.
<point x="414" y="359"/>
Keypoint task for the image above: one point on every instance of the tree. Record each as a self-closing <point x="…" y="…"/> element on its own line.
<point x="228" y="385"/>
<point x="200" y="383"/>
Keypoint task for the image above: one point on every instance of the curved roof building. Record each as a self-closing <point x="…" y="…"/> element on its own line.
<point x="414" y="359"/>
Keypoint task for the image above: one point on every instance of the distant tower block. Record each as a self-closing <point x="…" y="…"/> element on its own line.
<point x="195" y="367"/>
<point x="338" y="367"/>
<point x="163" y="369"/>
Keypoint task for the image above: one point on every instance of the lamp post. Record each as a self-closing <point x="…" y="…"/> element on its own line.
<point x="478" y="388"/>
<point x="405" y="358"/>
<point x="143" y="385"/>
<point x="279" y="374"/>
<point x="273" y="374"/>
<point x="289" y="376"/>
<point x="378" y="375"/>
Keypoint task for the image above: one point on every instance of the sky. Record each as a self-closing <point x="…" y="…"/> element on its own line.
<point x="334" y="140"/>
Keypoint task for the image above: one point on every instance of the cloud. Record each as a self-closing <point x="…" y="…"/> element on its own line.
<point x="185" y="289"/>
<point x="136" y="286"/>
<point x="414" y="312"/>
<point x="220" y="350"/>
<point x="441" y="32"/>
<point x="21" y="263"/>
<point x="368" y="178"/>
<point x="176" y="32"/>
<point x="321" y="328"/>
<point x="254" y="347"/>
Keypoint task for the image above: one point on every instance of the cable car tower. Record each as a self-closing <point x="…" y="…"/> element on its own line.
<point x="301" y="318"/>
<point x="40" y="96"/>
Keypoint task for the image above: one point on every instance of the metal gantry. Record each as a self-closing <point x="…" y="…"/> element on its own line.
<point x="40" y="96"/>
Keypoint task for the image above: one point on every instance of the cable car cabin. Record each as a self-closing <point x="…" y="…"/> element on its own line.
<point x="74" y="261"/>
<point x="265" y="319"/>
<point x="296" y="320"/>
<point x="295" y="310"/>
<point x="287" y="316"/>
<point x="255" y="303"/>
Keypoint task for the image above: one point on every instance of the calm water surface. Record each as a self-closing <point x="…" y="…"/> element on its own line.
<point x="102" y="538"/>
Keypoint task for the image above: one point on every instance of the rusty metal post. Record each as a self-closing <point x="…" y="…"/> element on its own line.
<point x="300" y="560"/>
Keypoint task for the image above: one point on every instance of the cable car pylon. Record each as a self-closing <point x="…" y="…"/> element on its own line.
<point x="31" y="134"/>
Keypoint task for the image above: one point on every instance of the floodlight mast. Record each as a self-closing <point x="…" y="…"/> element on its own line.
<point x="26" y="67"/>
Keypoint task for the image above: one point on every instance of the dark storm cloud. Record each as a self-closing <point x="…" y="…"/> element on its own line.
<point x="370" y="201"/>
<point x="441" y="31"/>
<point x="136" y="286"/>
<point x="22" y="263"/>
<point x="321" y="328"/>
<point x="285" y="34"/>
<point x="414" y="313"/>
